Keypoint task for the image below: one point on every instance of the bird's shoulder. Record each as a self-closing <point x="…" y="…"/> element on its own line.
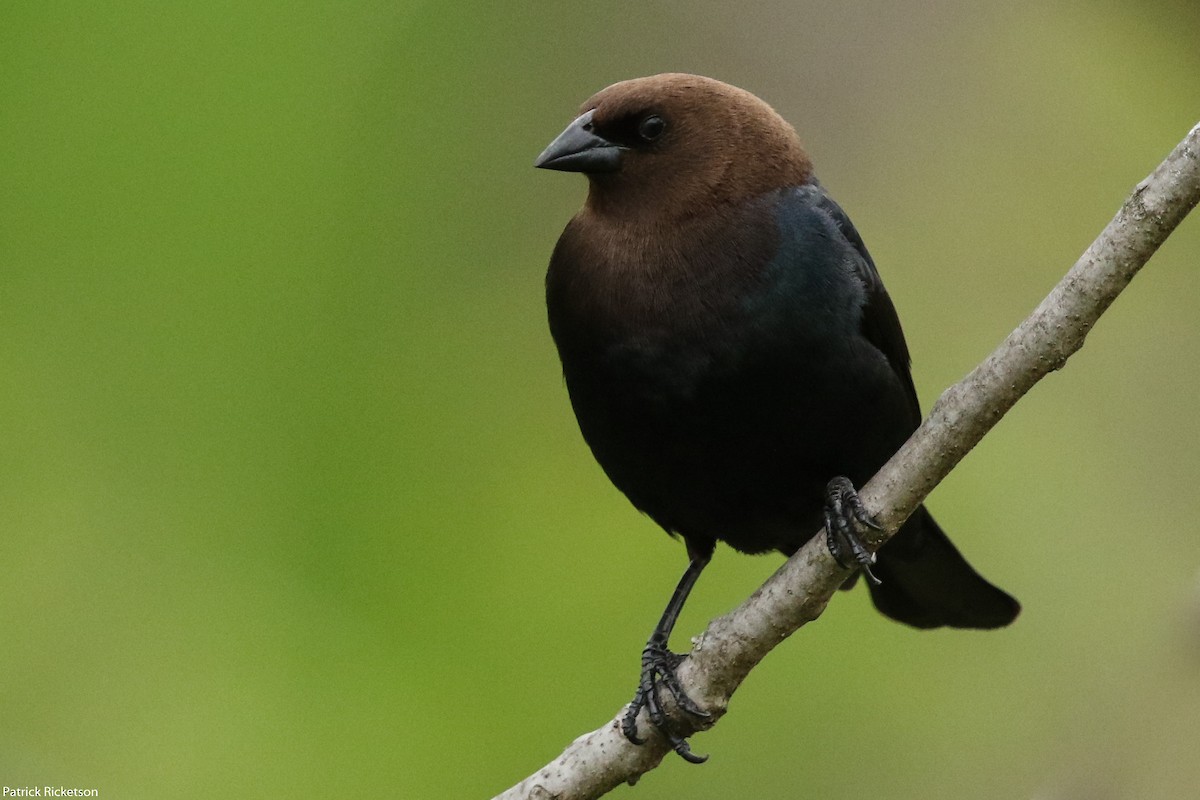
<point x="821" y="249"/>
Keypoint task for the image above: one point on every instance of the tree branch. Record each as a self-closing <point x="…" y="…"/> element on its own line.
<point x="799" y="590"/>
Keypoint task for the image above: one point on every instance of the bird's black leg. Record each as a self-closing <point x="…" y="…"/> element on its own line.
<point x="658" y="670"/>
<point x="843" y="511"/>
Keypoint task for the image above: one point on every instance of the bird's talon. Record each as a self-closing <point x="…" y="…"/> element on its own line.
<point x="869" y="521"/>
<point x="629" y="729"/>
<point x="658" y="671"/>
<point x="629" y="721"/>
<point x="685" y="752"/>
<point x="843" y="510"/>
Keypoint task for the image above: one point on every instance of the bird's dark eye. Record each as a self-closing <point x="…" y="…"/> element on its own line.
<point x="651" y="127"/>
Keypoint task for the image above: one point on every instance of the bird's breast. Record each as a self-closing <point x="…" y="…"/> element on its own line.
<point x="659" y="286"/>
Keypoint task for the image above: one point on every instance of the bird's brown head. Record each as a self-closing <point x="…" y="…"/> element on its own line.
<point x="677" y="145"/>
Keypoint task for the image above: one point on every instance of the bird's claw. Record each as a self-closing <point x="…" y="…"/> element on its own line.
<point x="658" y="670"/>
<point x="843" y="511"/>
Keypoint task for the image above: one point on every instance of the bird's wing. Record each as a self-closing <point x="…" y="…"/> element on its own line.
<point x="880" y="323"/>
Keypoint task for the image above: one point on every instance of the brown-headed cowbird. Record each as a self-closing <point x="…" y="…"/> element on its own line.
<point x="732" y="357"/>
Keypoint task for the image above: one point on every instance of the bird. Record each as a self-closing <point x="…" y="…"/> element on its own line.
<point x="732" y="357"/>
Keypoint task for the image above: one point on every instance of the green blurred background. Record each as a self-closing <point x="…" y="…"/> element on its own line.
<point x="292" y="502"/>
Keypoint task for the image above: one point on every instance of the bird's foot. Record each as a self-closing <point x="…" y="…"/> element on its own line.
<point x="844" y="512"/>
<point x="658" y="671"/>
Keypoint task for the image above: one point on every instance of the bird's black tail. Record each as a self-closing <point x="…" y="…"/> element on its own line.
<point x="928" y="584"/>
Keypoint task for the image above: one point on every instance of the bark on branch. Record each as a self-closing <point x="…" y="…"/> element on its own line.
<point x="800" y="589"/>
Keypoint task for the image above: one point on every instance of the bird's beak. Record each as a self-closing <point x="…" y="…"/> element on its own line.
<point x="578" y="149"/>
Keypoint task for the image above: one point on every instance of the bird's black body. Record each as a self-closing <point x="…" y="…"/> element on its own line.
<point x="728" y="345"/>
<point x="722" y="397"/>
<point x="723" y="403"/>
